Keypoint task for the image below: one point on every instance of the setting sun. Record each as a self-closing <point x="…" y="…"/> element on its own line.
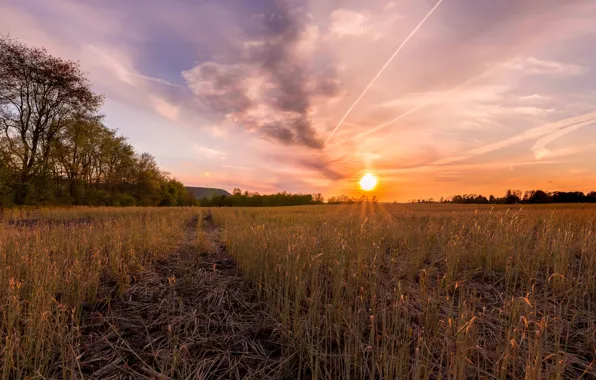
<point x="368" y="182"/>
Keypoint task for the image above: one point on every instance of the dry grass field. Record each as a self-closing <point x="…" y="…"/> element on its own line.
<point x="351" y="292"/>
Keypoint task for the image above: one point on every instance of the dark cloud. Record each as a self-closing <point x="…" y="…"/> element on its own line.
<point x="279" y="133"/>
<point x="327" y="85"/>
<point x="224" y="92"/>
<point x="321" y="165"/>
<point x="298" y="131"/>
<point x="270" y="85"/>
<point x="283" y="28"/>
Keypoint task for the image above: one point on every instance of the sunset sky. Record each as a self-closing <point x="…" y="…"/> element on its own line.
<point x="486" y="95"/>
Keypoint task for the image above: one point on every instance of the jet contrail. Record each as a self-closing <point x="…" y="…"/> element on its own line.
<point x="415" y="109"/>
<point x="383" y="68"/>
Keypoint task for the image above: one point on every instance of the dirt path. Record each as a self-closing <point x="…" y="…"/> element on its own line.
<point x="189" y="317"/>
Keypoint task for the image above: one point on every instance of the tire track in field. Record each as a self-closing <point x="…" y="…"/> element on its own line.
<point x="190" y="316"/>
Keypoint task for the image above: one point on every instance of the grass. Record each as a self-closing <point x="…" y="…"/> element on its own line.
<point x="360" y="291"/>
<point x="426" y="291"/>
<point x="53" y="263"/>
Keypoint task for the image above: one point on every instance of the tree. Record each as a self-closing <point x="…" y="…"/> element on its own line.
<point x="539" y="196"/>
<point x="512" y="196"/>
<point x="75" y="148"/>
<point x="39" y="95"/>
<point x="317" y="198"/>
<point x="54" y="148"/>
<point x="5" y="180"/>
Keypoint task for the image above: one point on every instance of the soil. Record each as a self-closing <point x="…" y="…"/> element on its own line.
<point x="191" y="316"/>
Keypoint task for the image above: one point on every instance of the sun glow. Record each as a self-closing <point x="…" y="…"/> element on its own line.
<point x="368" y="182"/>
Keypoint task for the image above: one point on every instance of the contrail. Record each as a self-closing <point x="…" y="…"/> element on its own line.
<point x="415" y="109"/>
<point x="383" y="68"/>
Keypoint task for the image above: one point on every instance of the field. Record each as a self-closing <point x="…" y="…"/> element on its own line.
<point x="347" y="291"/>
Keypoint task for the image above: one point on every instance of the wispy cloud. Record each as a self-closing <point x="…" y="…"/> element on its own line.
<point x="534" y="98"/>
<point x="390" y="5"/>
<point x="535" y="66"/>
<point x="555" y="129"/>
<point x="477" y="94"/>
<point x="452" y="169"/>
<point x="345" y="22"/>
<point x="210" y="152"/>
<point x="238" y="167"/>
<point x="540" y="150"/>
<point x="117" y="63"/>
<point x="427" y="102"/>
<point x="164" y="108"/>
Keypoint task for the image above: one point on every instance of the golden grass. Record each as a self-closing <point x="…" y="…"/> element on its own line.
<point x="360" y="291"/>
<point x="377" y="291"/>
<point x="52" y="263"/>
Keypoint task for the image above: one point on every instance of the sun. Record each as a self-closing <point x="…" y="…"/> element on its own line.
<point x="368" y="182"/>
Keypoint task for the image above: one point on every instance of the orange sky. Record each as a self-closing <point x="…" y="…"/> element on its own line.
<point x="485" y="96"/>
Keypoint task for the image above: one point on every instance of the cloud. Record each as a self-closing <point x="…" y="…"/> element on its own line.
<point x="555" y="128"/>
<point x="483" y="102"/>
<point x="237" y="66"/>
<point x="568" y="151"/>
<point x="534" y="66"/>
<point x="320" y="165"/>
<point x="368" y="157"/>
<point x="390" y="5"/>
<point x="477" y="94"/>
<point x="577" y="171"/>
<point x="164" y="108"/>
<point x="220" y="88"/>
<point x="210" y="152"/>
<point x="533" y="111"/>
<point x="539" y="148"/>
<point x="238" y="167"/>
<point x="345" y="22"/>
<point x="121" y="66"/>
<point x="464" y="168"/>
<point x="534" y="98"/>
<point x="293" y="162"/>
<point x="216" y="130"/>
<point x="271" y="86"/>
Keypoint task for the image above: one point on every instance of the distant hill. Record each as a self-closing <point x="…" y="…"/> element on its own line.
<point x="201" y="192"/>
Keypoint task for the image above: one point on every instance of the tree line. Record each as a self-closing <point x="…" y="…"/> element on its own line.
<point x="517" y="196"/>
<point x="254" y="199"/>
<point x="54" y="147"/>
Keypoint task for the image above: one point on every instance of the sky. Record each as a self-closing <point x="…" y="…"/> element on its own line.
<point x="479" y="96"/>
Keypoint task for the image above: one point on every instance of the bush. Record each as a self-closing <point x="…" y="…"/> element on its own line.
<point x="124" y="200"/>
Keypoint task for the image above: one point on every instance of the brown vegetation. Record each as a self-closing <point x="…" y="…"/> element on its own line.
<point x="347" y="291"/>
<point x="375" y="291"/>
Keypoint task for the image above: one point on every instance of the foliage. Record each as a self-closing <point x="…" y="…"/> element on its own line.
<point x="54" y="148"/>
<point x="250" y="199"/>
<point x="515" y="196"/>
